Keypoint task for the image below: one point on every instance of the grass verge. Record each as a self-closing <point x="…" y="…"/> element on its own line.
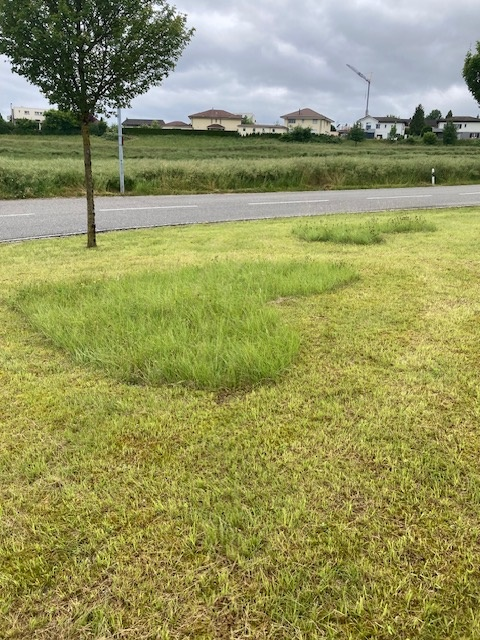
<point x="207" y="326"/>
<point x="366" y="233"/>
<point x="341" y="502"/>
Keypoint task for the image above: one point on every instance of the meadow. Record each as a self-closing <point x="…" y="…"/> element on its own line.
<point x="337" y="498"/>
<point x="46" y="166"/>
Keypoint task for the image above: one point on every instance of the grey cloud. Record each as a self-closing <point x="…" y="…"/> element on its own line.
<point x="270" y="57"/>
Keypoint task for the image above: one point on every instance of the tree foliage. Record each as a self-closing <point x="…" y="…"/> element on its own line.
<point x="435" y="114"/>
<point x="60" y="122"/>
<point x="356" y="133"/>
<point x="416" y="125"/>
<point x="471" y="72"/>
<point x="299" y="134"/>
<point x="450" y="133"/>
<point x="92" y="56"/>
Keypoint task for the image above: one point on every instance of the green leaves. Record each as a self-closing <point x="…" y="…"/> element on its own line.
<point x="92" y="56"/>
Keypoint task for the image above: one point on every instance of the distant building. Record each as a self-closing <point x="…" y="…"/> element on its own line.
<point x="466" y="126"/>
<point x="177" y="124"/>
<point x="215" y="119"/>
<point x="249" y="129"/>
<point x="28" y="113"/>
<point x="143" y="122"/>
<point x="308" y="118"/>
<point x="380" y="126"/>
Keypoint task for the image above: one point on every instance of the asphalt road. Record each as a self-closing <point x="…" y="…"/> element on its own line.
<point x="43" y="218"/>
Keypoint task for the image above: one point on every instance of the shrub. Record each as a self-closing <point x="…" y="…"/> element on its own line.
<point x="429" y="138"/>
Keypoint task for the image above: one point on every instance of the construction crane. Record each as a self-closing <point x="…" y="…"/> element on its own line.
<point x="368" y="85"/>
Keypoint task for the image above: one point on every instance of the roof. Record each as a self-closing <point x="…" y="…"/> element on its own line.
<point x="216" y="113"/>
<point x="387" y="119"/>
<point x="459" y="119"/>
<point x="307" y="113"/>
<point x="142" y="122"/>
<point x="177" y="123"/>
<point x="391" y="119"/>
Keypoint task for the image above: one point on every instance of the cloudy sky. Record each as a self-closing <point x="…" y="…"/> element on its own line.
<point x="271" y="57"/>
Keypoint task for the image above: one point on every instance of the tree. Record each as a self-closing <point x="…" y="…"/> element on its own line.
<point x="356" y="133"/>
<point x="417" y="122"/>
<point x="449" y="114"/>
<point x="471" y="72"/>
<point x="392" y="135"/>
<point x="435" y="114"/>
<point x="450" y="133"/>
<point x="6" y="127"/>
<point x="92" y="56"/>
<point x="60" y="122"/>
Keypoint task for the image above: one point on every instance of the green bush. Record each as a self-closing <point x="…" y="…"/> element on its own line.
<point x="430" y="138"/>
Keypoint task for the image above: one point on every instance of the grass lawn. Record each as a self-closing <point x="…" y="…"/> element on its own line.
<point x="338" y="499"/>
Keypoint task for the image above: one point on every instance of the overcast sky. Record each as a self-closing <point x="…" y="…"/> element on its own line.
<point x="271" y="57"/>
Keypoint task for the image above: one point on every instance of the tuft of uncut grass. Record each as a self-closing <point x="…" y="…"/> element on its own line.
<point x="208" y="326"/>
<point x="341" y="502"/>
<point x="366" y="233"/>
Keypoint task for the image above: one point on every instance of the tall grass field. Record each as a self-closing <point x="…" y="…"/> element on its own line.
<point x="34" y="166"/>
<point x="334" y="497"/>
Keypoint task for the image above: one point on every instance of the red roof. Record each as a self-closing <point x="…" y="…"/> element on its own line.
<point x="216" y="113"/>
<point x="307" y="113"/>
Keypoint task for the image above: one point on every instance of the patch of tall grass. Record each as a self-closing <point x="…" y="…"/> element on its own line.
<point x="367" y="233"/>
<point x="207" y="326"/>
<point x="158" y="166"/>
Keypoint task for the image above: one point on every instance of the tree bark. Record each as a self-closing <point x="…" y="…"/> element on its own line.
<point x="89" y="185"/>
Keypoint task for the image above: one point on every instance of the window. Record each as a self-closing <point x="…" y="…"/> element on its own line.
<point x="368" y="126"/>
<point x="26" y="112"/>
<point x="378" y="126"/>
<point x="292" y="121"/>
<point x="315" y="121"/>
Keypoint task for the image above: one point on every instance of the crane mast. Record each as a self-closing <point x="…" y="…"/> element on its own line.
<point x="361" y="75"/>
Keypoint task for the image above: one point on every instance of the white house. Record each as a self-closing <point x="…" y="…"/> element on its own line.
<point x="28" y="113"/>
<point x="308" y="118"/>
<point x="467" y="126"/>
<point x="215" y="119"/>
<point x="248" y="129"/>
<point x="380" y="126"/>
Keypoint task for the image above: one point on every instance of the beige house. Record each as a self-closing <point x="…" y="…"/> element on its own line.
<point x="308" y="118"/>
<point x="28" y="113"/>
<point x="215" y="119"/>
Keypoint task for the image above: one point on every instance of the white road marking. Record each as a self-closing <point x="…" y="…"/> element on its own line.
<point x="394" y="197"/>
<point x="469" y="193"/>
<point x="159" y="207"/>
<point x="14" y="215"/>
<point x="288" y="202"/>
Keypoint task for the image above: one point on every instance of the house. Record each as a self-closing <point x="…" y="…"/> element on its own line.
<point x="142" y="122"/>
<point x="467" y="126"/>
<point x="380" y="127"/>
<point x="215" y="119"/>
<point x="28" y="113"/>
<point x="248" y="129"/>
<point x="176" y="124"/>
<point x="308" y="118"/>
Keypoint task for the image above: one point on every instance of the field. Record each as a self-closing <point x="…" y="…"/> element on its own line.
<point x="42" y="166"/>
<point x="335" y="499"/>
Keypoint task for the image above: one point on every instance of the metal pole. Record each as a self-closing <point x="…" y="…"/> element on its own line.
<point x="367" y="102"/>
<point x="121" y="151"/>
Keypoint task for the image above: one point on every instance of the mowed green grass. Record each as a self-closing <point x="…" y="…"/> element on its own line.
<point x="340" y="501"/>
<point x="43" y="166"/>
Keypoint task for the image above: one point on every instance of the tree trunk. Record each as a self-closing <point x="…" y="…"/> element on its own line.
<point x="89" y="185"/>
